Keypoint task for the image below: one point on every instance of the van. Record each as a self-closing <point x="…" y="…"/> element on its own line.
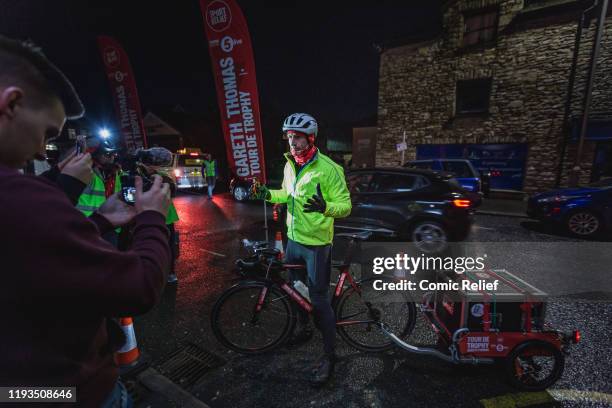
<point x="186" y="169"/>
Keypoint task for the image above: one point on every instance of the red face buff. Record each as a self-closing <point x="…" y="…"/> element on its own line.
<point x="302" y="146"/>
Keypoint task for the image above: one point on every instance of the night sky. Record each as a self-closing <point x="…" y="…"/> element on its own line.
<point x="310" y="56"/>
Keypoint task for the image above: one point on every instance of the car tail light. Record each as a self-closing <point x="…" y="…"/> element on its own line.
<point x="177" y="172"/>
<point x="576" y="336"/>
<point x="495" y="173"/>
<point x="462" y="203"/>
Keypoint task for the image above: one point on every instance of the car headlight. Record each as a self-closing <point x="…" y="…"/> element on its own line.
<point x="557" y="199"/>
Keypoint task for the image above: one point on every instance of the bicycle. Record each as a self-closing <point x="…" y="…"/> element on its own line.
<point x="260" y="313"/>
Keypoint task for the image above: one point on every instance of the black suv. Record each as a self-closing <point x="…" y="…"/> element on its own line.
<point x="422" y="206"/>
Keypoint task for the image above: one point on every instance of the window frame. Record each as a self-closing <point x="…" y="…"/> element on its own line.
<point x="417" y="177"/>
<point x="487" y="107"/>
<point x="361" y="174"/>
<point x="481" y="43"/>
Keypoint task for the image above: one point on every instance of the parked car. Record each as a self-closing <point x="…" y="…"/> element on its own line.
<point x="583" y="211"/>
<point x="465" y="173"/>
<point x="425" y="207"/>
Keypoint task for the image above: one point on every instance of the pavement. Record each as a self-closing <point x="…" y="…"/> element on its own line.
<point x="211" y="234"/>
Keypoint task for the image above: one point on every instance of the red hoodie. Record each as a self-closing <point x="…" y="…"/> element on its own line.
<point x="59" y="281"/>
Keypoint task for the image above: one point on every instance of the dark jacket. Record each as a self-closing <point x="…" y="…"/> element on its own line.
<point x="73" y="187"/>
<point x="60" y="281"/>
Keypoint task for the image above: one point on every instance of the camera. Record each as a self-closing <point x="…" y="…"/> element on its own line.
<point x="132" y="165"/>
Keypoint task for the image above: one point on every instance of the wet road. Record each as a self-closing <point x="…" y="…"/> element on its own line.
<point x="211" y="232"/>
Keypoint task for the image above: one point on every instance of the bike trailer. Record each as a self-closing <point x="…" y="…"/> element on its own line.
<point x="491" y="321"/>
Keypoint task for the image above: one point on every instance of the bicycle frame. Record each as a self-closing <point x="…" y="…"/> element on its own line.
<point x="299" y="300"/>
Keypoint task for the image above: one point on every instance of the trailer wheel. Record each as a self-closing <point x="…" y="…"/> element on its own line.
<point x="534" y="365"/>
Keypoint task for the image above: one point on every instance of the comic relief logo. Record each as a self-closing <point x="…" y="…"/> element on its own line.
<point x="218" y="16"/>
<point x="111" y="57"/>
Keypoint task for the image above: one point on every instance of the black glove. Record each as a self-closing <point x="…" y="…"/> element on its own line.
<point x="316" y="203"/>
<point x="259" y="191"/>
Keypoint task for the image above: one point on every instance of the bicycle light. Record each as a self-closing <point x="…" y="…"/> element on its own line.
<point x="576" y="336"/>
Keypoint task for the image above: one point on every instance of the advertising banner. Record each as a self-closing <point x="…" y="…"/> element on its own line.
<point x="125" y="96"/>
<point x="229" y="45"/>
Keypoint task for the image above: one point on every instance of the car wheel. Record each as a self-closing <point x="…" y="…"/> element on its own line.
<point x="429" y="237"/>
<point x="241" y="193"/>
<point x="583" y="224"/>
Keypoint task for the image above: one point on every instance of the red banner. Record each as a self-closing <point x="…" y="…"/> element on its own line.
<point x="125" y="95"/>
<point x="229" y="45"/>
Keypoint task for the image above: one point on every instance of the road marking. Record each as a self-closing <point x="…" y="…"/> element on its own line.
<point x="482" y="228"/>
<point x="214" y="253"/>
<point x="526" y="399"/>
<point x="521" y="399"/>
<point x="578" y="396"/>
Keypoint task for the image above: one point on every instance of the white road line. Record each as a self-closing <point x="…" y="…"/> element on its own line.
<point x="214" y="253"/>
<point x="483" y="228"/>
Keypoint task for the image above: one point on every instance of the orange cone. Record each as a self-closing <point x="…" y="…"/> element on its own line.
<point x="128" y="354"/>
<point x="275" y="214"/>
<point x="278" y="244"/>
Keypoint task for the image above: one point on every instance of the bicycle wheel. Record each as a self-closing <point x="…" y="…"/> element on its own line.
<point x="240" y="325"/>
<point x="358" y="313"/>
<point x="534" y="365"/>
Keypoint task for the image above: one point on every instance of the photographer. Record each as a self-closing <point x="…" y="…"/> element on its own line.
<point x="72" y="174"/>
<point x="148" y="164"/>
<point x="61" y="280"/>
<point x="105" y="181"/>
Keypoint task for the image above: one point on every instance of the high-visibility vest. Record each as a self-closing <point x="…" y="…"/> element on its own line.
<point x="211" y="168"/>
<point x="172" y="215"/>
<point x="94" y="194"/>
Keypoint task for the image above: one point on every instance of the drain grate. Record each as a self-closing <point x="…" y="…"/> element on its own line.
<point x="188" y="364"/>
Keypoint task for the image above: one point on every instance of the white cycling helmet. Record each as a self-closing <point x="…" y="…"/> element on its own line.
<point x="301" y="122"/>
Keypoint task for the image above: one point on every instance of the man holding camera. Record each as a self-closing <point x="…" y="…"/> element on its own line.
<point x="105" y="181"/>
<point x="60" y="280"/>
<point x="150" y="162"/>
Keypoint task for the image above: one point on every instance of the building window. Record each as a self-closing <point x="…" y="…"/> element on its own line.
<point x="473" y="96"/>
<point x="479" y="28"/>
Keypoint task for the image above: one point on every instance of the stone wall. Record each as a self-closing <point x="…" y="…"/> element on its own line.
<point x="529" y="71"/>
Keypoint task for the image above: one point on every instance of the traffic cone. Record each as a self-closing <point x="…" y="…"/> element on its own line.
<point x="275" y="213"/>
<point x="278" y="244"/>
<point x="128" y="355"/>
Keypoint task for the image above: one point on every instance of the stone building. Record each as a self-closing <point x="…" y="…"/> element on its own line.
<point x="494" y="87"/>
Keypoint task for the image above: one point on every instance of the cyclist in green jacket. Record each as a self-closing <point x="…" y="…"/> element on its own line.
<point x="315" y="191"/>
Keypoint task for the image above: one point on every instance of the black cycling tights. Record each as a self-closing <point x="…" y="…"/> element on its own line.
<point x="318" y="266"/>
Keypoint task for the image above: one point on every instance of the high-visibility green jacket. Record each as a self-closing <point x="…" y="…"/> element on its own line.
<point x="172" y="215"/>
<point x="210" y="168"/>
<point x="94" y="194"/>
<point x="298" y="186"/>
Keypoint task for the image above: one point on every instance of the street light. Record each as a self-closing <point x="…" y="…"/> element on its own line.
<point x="104" y="133"/>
